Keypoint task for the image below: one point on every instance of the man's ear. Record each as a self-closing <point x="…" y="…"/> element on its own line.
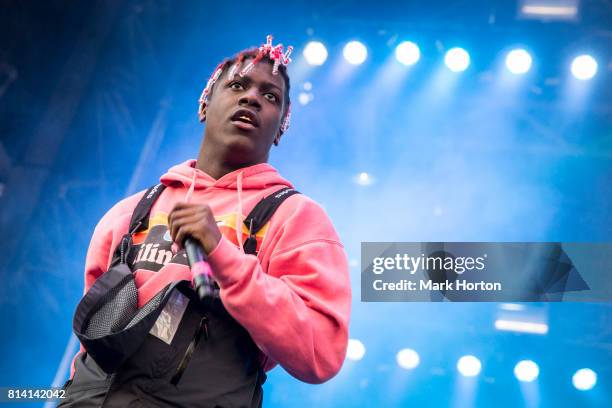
<point x="202" y="113"/>
<point x="278" y="137"/>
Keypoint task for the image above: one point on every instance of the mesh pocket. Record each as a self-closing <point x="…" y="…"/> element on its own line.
<point x="150" y="307"/>
<point x="119" y="310"/>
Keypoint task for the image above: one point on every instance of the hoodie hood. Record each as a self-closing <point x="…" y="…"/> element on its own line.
<point x="258" y="177"/>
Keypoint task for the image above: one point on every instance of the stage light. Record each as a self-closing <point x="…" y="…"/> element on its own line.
<point x="407" y="358"/>
<point x="515" y="307"/>
<point x="518" y="61"/>
<point x="355" y="350"/>
<point x="457" y="59"/>
<point x="469" y="366"/>
<point x="363" y="179"/>
<point x="526" y="371"/>
<point x="584" y="379"/>
<point x="521" y="326"/>
<point x="305" y="98"/>
<point x="547" y="10"/>
<point x="315" y="53"/>
<point x="584" y="67"/>
<point x="407" y="53"/>
<point x="355" y="52"/>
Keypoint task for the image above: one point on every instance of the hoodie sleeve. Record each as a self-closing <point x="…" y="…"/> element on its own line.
<point x="297" y="312"/>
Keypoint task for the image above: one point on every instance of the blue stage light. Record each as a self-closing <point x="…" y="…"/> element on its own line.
<point x="315" y="53"/>
<point x="457" y="59"/>
<point x="526" y="371"/>
<point x="407" y="53"/>
<point x="407" y="359"/>
<point x="584" y="379"/>
<point x="518" y="61"/>
<point x="355" y="52"/>
<point x="355" y="350"/>
<point x="469" y="366"/>
<point x="364" y="179"/>
<point x="584" y="67"/>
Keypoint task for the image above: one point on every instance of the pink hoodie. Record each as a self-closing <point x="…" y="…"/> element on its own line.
<point x="293" y="298"/>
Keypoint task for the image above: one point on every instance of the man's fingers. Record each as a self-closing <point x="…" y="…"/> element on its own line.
<point x="180" y="222"/>
<point x="192" y="209"/>
<point x="186" y="206"/>
<point x="177" y="213"/>
<point x="181" y="205"/>
<point x="179" y="237"/>
<point x="183" y="232"/>
<point x="190" y="220"/>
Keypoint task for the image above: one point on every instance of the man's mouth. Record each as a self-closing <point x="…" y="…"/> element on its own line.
<point x="245" y="119"/>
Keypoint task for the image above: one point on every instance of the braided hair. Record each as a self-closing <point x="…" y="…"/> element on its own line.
<point x="268" y="53"/>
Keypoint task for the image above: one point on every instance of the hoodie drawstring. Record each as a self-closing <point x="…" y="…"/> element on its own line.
<point x="175" y="247"/>
<point x="239" y="219"/>
<point x="191" y="187"/>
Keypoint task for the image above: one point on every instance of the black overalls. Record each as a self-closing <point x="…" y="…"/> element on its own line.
<point x="211" y="361"/>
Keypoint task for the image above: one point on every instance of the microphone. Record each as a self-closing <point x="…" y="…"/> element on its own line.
<point x="202" y="274"/>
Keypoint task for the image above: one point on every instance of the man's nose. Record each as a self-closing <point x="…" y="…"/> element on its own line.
<point x="250" y="98"/>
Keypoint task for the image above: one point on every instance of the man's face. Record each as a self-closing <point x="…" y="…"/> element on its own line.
<point x="244" y="114"/>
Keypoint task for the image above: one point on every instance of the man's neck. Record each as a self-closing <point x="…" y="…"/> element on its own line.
<point x="217" y="161"/>
<point x="217" y="164"/>
<point x="214" y="168"/>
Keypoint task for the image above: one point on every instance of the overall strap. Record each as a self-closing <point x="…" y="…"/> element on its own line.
<point x="140" y="216"/>
<point x="139" y="222"/>
<point x="261" y="214"/>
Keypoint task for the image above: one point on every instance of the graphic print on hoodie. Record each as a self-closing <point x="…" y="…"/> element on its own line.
<point x="155" y="248"/>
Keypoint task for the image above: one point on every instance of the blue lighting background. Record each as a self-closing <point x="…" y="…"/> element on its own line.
<point x="100" y="99"/>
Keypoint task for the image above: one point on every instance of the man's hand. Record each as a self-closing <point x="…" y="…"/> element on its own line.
<point x="196" y="221"/>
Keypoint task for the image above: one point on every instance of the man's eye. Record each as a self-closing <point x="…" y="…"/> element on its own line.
<point x="271" y="97"/>
<point x="236" y="85"/>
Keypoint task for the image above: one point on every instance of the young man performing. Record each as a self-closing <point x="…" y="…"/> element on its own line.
<point x="284" y="286"/>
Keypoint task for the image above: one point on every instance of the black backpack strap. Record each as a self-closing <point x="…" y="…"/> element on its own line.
<point x="140" y="216"/>
<point x="139" y="222"/>
<point x="261" y="214"/>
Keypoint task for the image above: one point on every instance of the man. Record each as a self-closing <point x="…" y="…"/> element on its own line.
<point x="284" y="300"/>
